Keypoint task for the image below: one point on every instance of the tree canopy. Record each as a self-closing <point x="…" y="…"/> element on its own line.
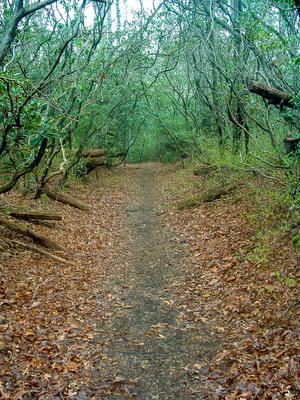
<point x="182" y="78"/>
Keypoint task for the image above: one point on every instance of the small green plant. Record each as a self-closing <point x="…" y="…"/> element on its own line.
<point x="260" y="254"/>
<point x="239" y="255"/>
<point x="289" y="282"/>
<point x="277" y="275"/>
<point x="296" y="241"/>
<point x="44" y="198"/>
<point x="79" y="170"/>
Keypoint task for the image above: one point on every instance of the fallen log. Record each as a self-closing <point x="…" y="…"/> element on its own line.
<point x="93" y="153"/>
<point x="95" y="162"/>
<point x="203" y="170"/>
<point x="24" y="230"/>
<point x="41" y="251"/>
<point x="31" y="214"/>
<point x="64" y="198"/>
<point x="208" y="197"/>
<point x="273" y="95"/>
<point x="216" y="194"/>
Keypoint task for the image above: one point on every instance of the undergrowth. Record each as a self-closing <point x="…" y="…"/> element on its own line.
<point x="268" y="204"/>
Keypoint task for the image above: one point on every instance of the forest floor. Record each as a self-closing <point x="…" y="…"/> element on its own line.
<point x="160" y="303"/>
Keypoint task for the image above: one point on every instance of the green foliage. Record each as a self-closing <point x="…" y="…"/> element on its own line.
<point x="285" y="280"/>
<point x="155" y="94"/>
<point x="261" y="252"/>
<point x="290" y="3"/>
<point x="296" y="241"/>
<point x="289" y="282"/>
<point x="79" y="170"/>
<point x="269" y="221"/>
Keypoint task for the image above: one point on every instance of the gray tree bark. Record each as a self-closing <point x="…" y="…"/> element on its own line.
<point x="11" y="30"/>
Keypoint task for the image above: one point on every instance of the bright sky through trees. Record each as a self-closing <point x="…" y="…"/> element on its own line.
<point x="128" y="8"/>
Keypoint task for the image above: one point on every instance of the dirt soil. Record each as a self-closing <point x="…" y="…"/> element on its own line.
<point x="153" y="348"/>
<point x="158" y="304"/>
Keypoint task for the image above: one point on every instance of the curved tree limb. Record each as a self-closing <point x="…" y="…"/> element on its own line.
<point x="11" y="30"/>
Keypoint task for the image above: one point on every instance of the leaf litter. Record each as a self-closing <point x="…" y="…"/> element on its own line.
<point x="60" y="323"/>
<point x="243" y="299"/>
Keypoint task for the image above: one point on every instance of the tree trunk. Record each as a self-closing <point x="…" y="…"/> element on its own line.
<point x="31" y="214"/>
<point x="273" y="95"/>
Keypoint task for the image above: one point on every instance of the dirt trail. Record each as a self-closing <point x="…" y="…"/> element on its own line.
<point x="157" y="304"/>
<point x="113" y="325"/>
<point x="155" y="353"/>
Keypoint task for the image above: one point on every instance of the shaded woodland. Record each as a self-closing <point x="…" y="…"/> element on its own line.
<point x="201" y="97"/>
<point x="181" y="79"/>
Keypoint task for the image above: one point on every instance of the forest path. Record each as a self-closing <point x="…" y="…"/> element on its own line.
<point x="158" y="303"/>
<point x="153" y="351"/>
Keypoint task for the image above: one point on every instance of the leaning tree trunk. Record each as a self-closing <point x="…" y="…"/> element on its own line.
<point x="271" y="94"/>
